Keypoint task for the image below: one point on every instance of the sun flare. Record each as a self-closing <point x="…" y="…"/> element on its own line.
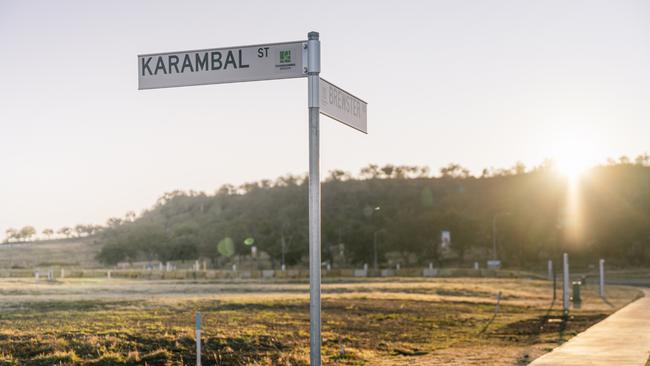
<point x="573" y="166"/>
<point x="573" y="157"/>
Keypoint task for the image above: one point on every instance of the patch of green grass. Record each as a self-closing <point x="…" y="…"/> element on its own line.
<point x="56" y="358"/>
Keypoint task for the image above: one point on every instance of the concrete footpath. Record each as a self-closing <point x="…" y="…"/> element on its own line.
<point x="621" y="339"/>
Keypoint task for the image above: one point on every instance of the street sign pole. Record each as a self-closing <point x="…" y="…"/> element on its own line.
<point x="268" y="62"/>
<point x="313" y="85"/>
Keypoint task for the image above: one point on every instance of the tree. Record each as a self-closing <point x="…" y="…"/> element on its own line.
<point x="372" y="171"/>
<point x="114" y="222"/>
<point x="65" y="231"/>
<point x="130" y="216"/>
<point x="11" y="234"/>
<point x="48" y="233"/>
<point x="643" y="160"/>
<point x="624" y="160"/>
<point x="337" y="176"/>
<point x="519" y="168"/>
<point x="27" y="232"/>
<point x="84" y="230"/>
<point x="97" y="229"/>
<point x="79" y="230"/>
<point x="454" y="170"/>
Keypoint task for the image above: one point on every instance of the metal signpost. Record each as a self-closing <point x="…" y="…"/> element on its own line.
<point x="267" y="62"/>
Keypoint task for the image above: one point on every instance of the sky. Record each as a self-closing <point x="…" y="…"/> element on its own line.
<point x="483" y="83"/>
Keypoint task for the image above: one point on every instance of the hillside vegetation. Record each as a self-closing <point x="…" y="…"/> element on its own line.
<point x="537" y="215"/>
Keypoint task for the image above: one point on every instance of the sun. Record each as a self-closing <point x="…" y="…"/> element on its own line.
<point x="573" y="166"/>
<point x="573" y="157"/>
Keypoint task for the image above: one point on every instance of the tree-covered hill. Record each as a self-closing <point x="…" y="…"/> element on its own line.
<point x="536" y="215"/>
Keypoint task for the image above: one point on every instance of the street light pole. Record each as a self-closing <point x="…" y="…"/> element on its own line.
<point x="374" y="247"/>
<point x="494" y="237"/>
<point x="369" y="212"/>
<point x="494" y="233"/>
<point x="283" y="245"/>
<point x="375" y="265"/>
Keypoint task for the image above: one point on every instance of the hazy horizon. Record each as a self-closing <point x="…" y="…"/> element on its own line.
<point x="475" y="83"/>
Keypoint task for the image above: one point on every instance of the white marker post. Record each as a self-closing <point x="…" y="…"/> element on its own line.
<point x="550" y="270"/>
<point x="266" y="62"/>
<point x="198" y="338"/>
<point x="565" y="284"/>
<point x="602" y="277"/>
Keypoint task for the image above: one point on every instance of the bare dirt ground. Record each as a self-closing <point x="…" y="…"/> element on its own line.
<point x="369" y="322"/>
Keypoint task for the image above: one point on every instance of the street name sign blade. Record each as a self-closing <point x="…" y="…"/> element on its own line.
<point x="222" y="65"/>
<point x="342" y="106"/>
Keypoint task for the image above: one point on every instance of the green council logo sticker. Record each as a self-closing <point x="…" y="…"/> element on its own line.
<point x="285" y="56"/>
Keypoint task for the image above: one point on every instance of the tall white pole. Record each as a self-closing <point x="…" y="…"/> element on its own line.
<point x="602" y="278"/>
<point x="313" y="85"/>
<point x="565" y="284"/>
<point x="550" y="270"/>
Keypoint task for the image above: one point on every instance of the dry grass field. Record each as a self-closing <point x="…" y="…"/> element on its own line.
<point x="369" y="322"/>
<point x="66" y="252"/>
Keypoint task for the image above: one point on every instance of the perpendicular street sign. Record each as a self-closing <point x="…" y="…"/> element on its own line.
<point x="342" y="106"/>
<point x="222" y="65"/>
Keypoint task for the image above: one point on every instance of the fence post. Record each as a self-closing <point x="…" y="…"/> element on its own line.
<point x="554" y="287"/>
<point x="198" y="338"/>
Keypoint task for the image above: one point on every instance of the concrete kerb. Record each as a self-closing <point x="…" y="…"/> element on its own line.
<point x="623" y="338"/>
